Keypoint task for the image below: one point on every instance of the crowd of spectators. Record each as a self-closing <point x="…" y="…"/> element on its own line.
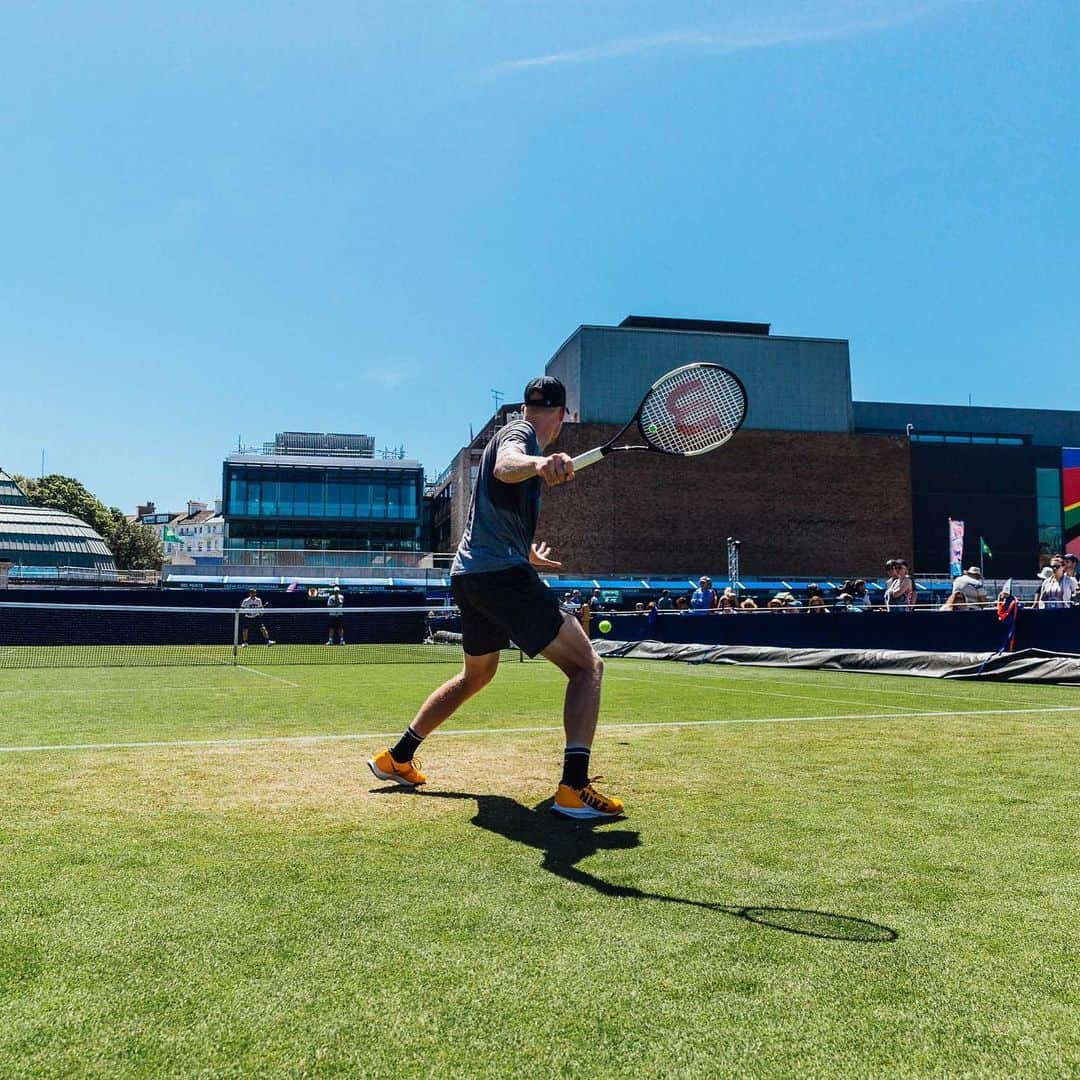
<point x="1059" y="587"/>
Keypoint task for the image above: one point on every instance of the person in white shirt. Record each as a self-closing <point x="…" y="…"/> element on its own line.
<point x="900" y="592"/>
<point x="970" y="585"/>
<point x="1070" y="572"/>
<point x="335" y="602"/>
<point x="1057" y="588"/>
<point x="251" y="608"/>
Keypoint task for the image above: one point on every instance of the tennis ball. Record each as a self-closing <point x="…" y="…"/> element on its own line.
<point x="605" y="627"/>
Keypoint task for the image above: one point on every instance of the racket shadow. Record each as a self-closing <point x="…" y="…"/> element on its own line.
<point x="563" y="844"/>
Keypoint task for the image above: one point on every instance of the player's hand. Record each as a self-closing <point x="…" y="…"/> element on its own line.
<point x="538" y="556"/>
<point x="556" y="469"/>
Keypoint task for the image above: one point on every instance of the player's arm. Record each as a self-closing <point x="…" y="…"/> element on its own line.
<point x="514" y="466"/>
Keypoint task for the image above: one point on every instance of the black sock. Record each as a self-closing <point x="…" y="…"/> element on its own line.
<point x="406" y="746"/>
<point x="575" y="769"/>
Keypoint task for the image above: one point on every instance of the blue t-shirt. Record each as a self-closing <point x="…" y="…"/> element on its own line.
<point x="702" y="600"/>
<point x="502" y="517"/>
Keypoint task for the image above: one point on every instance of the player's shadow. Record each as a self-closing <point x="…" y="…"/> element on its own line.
<point x="565" y="843"/>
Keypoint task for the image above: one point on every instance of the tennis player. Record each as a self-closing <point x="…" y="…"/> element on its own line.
<point x="334" y="603"/>
<point x="252" y="608"/>
<point x="503" y="599"/>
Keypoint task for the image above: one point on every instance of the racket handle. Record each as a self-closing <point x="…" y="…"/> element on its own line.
<point x="590" y="457"/>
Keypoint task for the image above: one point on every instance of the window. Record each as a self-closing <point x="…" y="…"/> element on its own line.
<point x="1048" y="508"/>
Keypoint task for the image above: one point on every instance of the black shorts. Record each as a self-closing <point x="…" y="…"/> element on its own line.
<point x="506" y="606"/>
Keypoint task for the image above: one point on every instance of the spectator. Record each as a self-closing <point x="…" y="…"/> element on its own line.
<point x="682" y="604"/>
<point x="859" y="594"/>
<point x="596" y="601"/>
<point x="1070" y="572"/>
<point x="728" y="602"/>
<point x="815" y="602"/>
<point x="639" y="606"/>
<point x="845" y="602"/>
<point x="970" y="583"/>
<point x="1057" y="589"/>
<point x="664" y="603"/>
<point x="748" y="604"/>
<point x="956" y="602"/>
<point x="900" y="592"/>
<point x="776" y="604"/>
<point x="704" y="598"/>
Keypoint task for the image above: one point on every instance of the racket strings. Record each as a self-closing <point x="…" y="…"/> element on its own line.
<point x="693" y="410"/>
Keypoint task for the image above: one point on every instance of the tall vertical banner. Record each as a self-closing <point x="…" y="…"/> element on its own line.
<point x="956" y="547"/>
<point x="1070" y="498"/>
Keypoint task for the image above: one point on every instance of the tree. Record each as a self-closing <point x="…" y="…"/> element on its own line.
<point x="134" y="546"/>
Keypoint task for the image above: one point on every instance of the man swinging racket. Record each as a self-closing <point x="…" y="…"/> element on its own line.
<point x="502" y="599"/>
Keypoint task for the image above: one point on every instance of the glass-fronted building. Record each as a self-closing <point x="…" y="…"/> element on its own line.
<point x="323" y="502"/>
<point x="41" y="537"/>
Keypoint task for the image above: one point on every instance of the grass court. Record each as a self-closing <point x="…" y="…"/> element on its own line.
<point x="820" y="874"/>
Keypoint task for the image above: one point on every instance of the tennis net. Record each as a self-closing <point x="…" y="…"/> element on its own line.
<point x="102" y="635"/>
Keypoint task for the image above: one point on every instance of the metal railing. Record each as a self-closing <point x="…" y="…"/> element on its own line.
<point x="83" y="575"/>
<point x="304" y="557"/>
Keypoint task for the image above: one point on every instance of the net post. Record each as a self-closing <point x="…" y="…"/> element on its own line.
<point x="235" y="637"/>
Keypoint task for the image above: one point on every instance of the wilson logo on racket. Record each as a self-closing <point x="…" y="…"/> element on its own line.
<point x="688" y="411"/>
<point x="684" y="412"/>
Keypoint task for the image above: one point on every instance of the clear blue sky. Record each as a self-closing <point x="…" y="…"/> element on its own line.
<point x="220" y="219"/>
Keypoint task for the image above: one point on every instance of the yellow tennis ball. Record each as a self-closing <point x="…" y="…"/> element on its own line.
<point x="605" y="627"/>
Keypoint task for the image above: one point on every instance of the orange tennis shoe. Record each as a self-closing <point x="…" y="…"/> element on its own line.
<point x="585" y="803"/>
<point x="400" y="772"/>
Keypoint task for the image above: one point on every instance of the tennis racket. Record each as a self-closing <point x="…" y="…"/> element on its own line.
<point x="688" y="411"/>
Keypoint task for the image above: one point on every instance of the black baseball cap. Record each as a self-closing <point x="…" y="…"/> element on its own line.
<point x="546" y="392"/>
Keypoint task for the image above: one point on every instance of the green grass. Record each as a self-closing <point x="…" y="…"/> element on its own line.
<point x="820" y="875"/>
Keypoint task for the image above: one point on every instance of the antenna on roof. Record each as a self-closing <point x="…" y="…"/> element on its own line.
<point x="497" y="397"/>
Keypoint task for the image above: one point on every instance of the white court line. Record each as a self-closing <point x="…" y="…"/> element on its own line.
<point x="466" y="732"/>
<point x="266" y="675"/>
<point x="157" y="689"/>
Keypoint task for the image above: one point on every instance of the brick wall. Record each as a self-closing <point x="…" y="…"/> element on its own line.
<point x="801" y="503"/>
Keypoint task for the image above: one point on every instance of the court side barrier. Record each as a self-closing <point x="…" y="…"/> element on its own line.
<point x="1026" y="666"/>
<point x="1055" y="631"/>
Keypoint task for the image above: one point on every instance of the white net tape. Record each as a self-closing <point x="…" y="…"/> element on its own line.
<point x="693" y="410"/>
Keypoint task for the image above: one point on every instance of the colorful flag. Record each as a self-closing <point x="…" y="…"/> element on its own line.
<point x="956" y="547"/>
<point x="170" y="537"/>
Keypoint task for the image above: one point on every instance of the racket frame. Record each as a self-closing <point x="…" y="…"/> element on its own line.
<point x="590" y="457"/>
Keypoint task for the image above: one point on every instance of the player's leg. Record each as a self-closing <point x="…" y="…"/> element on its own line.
<point x="572" y="653"/>
<point x="243" y="635"/>
<point x="396" y="763"/>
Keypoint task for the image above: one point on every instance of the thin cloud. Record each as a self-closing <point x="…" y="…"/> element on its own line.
<point x="731" y="40"/>
<point x="390" y="377"/>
